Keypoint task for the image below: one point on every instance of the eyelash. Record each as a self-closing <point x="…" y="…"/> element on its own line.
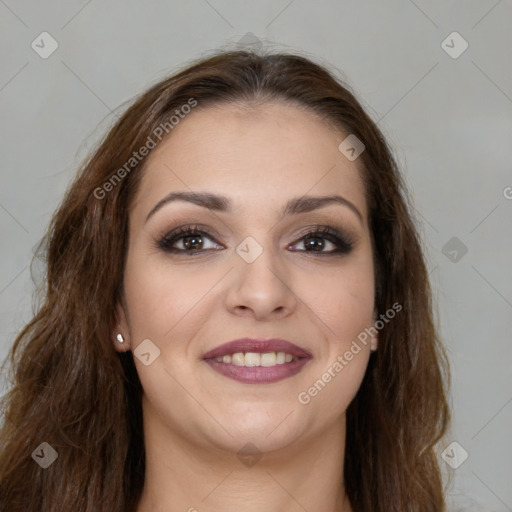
<point x="343" y="244"/>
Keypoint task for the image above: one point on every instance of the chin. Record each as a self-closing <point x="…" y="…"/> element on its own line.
<point x="257" y="441"/>
<point x="266" y="430"/>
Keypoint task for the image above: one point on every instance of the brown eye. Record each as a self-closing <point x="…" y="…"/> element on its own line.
<point x="314" y="242"/>
<point x="191" y="239"/>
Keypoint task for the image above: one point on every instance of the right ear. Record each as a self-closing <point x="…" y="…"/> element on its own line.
<point x="121" y="332"/>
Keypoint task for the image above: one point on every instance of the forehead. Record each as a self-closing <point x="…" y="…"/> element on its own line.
<point x="261" y="153"/>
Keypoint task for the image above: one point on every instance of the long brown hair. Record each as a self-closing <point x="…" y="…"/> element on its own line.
<point x="72" y="390"/>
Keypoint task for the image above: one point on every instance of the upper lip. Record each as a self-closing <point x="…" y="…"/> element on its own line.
<point x="259" y="346"/>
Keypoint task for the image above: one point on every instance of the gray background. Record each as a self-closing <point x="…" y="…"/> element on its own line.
<point x="448" y="119"/>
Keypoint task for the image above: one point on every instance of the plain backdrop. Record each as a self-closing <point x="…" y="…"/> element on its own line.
<point x="445" y="109"/>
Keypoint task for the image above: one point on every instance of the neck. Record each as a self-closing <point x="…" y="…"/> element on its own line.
<point x="182" y="476"/>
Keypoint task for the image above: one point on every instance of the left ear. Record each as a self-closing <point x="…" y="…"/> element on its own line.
<point x="121" y="329"/>
<point x="375" y="338"/>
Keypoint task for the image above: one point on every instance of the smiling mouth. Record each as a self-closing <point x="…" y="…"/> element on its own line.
<point x="258" y="368"/>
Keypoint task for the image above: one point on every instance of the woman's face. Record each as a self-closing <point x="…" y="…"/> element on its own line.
<point x="251" y="272"/>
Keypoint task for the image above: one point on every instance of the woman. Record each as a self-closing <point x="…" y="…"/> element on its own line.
<point x="237" y="314"/>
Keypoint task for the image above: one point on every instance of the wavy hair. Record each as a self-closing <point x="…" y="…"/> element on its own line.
<point x="71" y="389"/>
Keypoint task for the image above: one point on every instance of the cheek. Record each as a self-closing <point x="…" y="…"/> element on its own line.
<point x="164" y="296"/>
<point x="161" y="296"/>
<point x="343" y="299"/>
<point x="332" y="390"/>
<point x="351" y="312"/>
<point x="344" y="304"/>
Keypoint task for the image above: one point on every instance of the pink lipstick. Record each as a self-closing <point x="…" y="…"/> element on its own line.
<point x="258" y="361"/>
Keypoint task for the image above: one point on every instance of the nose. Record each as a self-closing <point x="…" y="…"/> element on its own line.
<point x="261" y="288"/>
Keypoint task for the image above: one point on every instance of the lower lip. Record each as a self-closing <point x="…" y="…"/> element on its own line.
<point x="258" y="374"/>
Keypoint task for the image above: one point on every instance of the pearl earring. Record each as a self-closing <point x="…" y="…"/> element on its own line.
<point x="120" y="338"/>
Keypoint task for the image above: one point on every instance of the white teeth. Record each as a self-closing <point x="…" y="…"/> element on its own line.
<point x="256" y="359"/>
<point x="238" y="359"/>
<point x="252" y="359"/>
<point x="268" y="359"/>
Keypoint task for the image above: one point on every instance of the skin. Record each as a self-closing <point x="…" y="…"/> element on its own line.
<point x="196" y="420"/>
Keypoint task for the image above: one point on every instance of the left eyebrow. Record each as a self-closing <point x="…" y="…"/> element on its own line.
<point x="295" y="206"/>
